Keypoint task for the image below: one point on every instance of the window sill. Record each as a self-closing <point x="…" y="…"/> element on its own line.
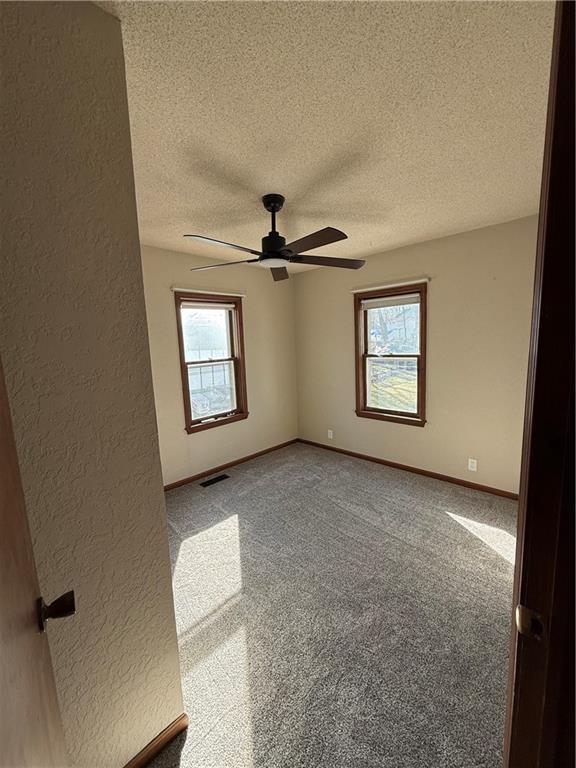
<point x="191" y="428"/>
<point x="412" y="421"/>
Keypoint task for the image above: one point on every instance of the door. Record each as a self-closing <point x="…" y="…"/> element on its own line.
<point x="540" y="723"/>
<point x="30" y="726"/>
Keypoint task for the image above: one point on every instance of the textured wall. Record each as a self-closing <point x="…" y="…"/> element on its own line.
<point x="75" y="351"/>
<point x="270" y="362"/>
<point x="479" y="309"/>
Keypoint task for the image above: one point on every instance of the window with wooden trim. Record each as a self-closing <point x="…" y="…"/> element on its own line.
<point x="390" y="326"/>
<point x="210" y="338"/>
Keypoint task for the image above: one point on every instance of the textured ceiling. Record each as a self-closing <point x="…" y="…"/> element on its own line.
<point x="397" y="122"/>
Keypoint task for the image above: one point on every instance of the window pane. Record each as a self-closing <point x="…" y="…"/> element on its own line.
<point x="206" y="333"/>
<point x="392" y="384"/>
<point x="212" y="389"/>
<point x="394" y="330"/>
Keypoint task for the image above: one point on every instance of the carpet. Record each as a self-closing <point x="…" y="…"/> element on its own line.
<point x="336" y="613"/>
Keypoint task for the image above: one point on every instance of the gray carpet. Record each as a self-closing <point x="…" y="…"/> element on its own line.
<point x="337" y="613"/>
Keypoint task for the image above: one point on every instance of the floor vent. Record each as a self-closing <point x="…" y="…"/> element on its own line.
<point x="212" y="480"/>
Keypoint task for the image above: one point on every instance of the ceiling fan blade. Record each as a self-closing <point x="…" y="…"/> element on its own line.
<point x="316" y="240"/>
<point x="279" y="273"/>
<point x="211" y="241"/>
<point x="328" y="261"/>
<point x="225" y="264"/>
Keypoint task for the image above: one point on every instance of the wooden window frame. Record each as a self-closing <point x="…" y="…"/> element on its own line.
<point x="237" y="358"/>
<point x="361" y="345"/>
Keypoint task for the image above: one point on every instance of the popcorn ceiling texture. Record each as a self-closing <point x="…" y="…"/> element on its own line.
<point x="395" y="121"/>
<point x="75" y="352"/>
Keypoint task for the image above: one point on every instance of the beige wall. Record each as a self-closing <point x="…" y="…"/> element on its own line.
<point x="270" y="362"/>
<point x="479" y="305"/>
<point x="75" y="351"/>
<point x="479" y="309"/>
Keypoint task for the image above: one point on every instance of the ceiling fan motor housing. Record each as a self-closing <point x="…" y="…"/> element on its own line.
<point x="272" y="245"/>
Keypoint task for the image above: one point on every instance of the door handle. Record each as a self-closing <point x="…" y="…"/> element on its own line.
<point x="529" y="623"/>
<point x="63" y="606"/>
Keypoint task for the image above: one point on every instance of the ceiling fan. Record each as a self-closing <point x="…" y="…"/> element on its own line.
<point x="275" y="254"/>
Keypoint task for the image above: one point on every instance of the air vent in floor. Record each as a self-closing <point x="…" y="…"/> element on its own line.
<point x="212" y="480"/>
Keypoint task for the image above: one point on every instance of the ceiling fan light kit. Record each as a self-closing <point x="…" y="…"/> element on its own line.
<point x="272" y="261"/>
<point x="276" y="255"/>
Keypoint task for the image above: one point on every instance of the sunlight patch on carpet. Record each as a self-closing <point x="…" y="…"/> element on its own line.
<point x="500" y="541"/>
<point x="208" y="573"/>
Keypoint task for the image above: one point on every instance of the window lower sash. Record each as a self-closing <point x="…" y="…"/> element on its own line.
<point x="404" y="391"/>
<point x="212" y="382"/>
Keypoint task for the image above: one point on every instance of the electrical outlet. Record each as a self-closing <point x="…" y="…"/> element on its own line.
<point x="330" y="434"/>
<point x="472" y="465"/>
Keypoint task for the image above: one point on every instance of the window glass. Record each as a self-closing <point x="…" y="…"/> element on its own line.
<point x="206" y="333"/>
<point x="394" y="330"/>
<point x="392" y="384"/>
<point x="212" y="389"/>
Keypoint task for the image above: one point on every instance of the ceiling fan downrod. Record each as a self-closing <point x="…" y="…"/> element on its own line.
<point x="273" y="244"/>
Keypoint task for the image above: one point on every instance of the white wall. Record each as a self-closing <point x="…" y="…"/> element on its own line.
<point x="479" y="310"/>
<point x="270" y="362"/>
<point x="75" y="351"/>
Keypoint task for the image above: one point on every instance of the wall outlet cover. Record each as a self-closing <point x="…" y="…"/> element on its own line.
<point x="472" y="465"/>
<point x="330" y="434"/>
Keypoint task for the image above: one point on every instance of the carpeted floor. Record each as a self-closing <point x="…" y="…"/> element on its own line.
<point x="335" y="613"/>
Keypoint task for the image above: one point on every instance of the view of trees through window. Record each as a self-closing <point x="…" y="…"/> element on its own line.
<point x="208" y="351"/>
<point x="392" y="381"/>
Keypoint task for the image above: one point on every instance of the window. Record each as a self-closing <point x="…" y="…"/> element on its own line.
<point x="211" y="359"/>
<point x="391" y="354"/>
